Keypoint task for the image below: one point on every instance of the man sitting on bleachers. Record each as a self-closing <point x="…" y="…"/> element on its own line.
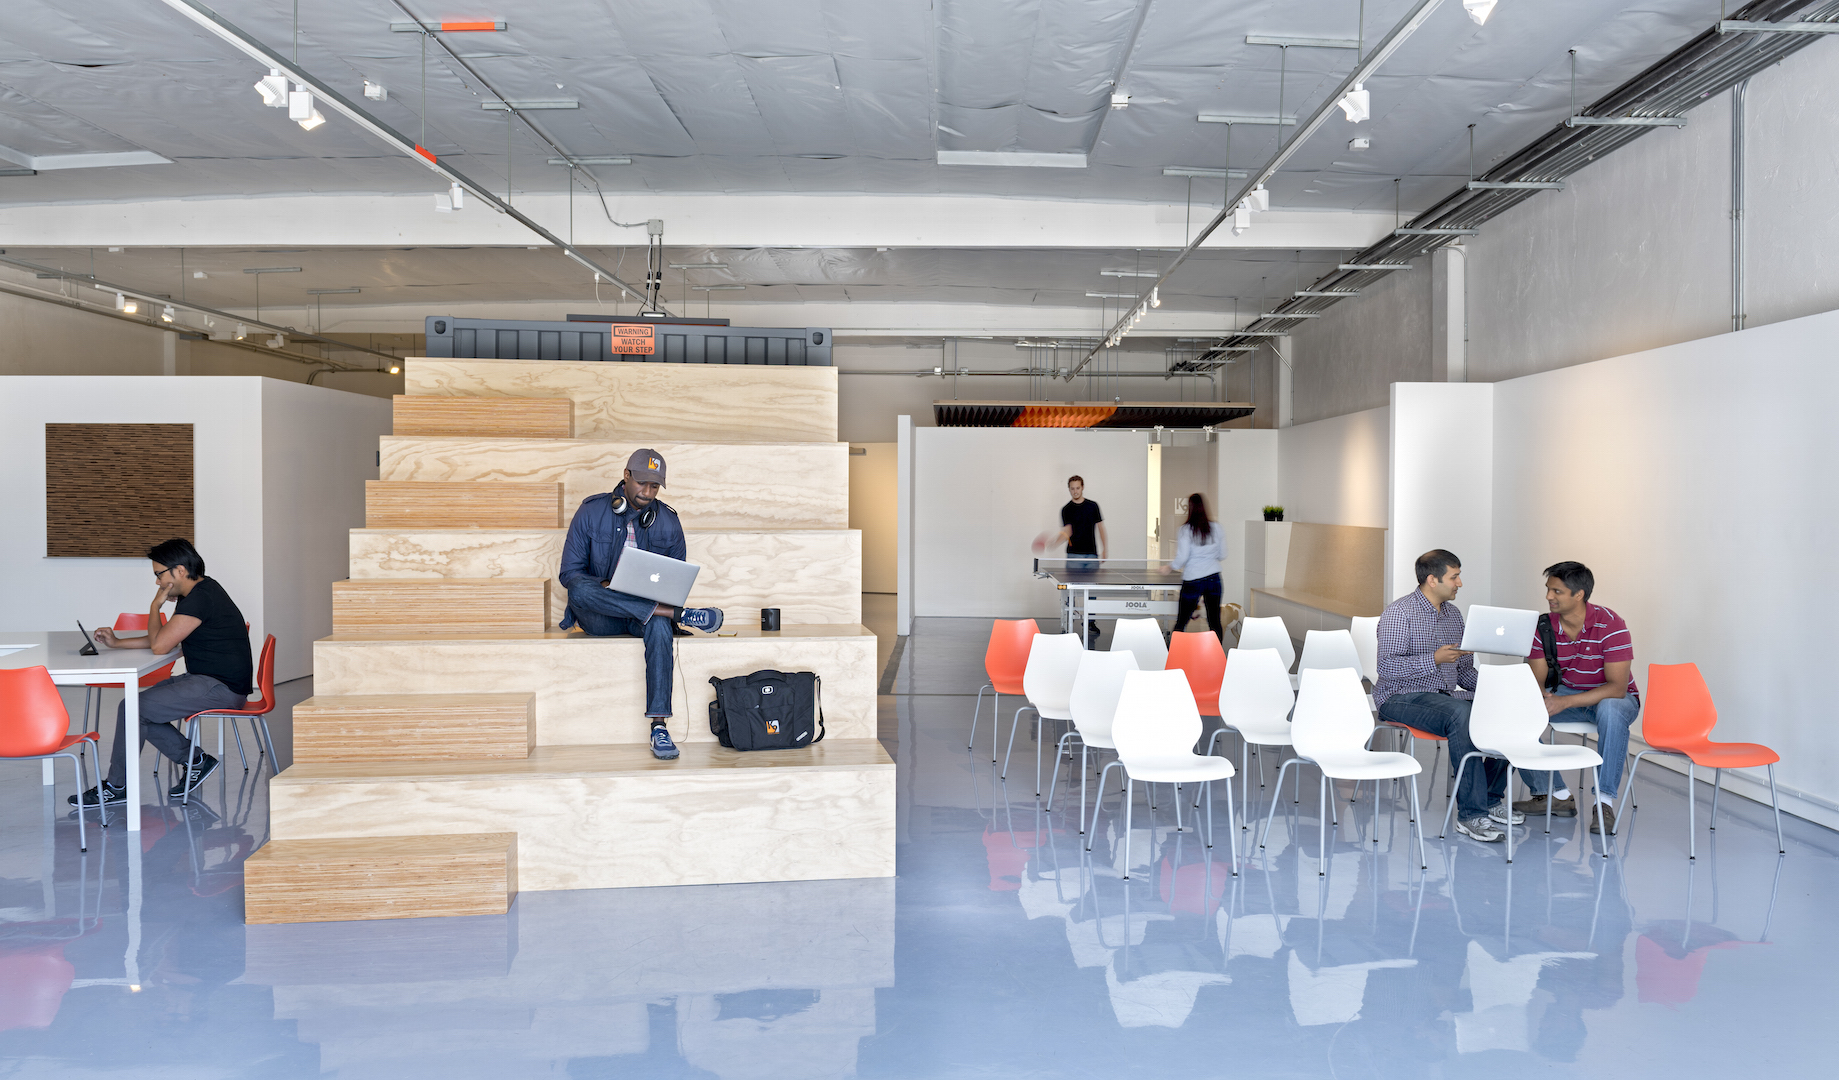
<point x="1426" y="682"/>
<point x="631" y="515"/>
<point x="1593" y="653"/>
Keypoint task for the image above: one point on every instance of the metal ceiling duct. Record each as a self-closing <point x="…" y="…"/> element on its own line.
<point x="1710" y="63"/>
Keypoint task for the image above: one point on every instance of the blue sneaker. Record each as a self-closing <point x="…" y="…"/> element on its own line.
<point x="706" y="619"/>
<point x="661" y="746"/>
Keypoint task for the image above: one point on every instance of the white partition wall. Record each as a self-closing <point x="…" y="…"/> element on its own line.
<point x="1696" y="482"/>
<point x="1334" y="471"/>
<point x="1247" y="470"/>
<point x="1442" y="486"/>
<point x="981" y="495"/>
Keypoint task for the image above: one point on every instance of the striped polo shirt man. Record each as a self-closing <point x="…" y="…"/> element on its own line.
<point x="1581" y="660"/>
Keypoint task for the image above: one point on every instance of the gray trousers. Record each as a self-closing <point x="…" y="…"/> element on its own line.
<point x="161" y="705"/>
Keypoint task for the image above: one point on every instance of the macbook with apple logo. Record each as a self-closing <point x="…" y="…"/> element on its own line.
<point x="654" y="577"/>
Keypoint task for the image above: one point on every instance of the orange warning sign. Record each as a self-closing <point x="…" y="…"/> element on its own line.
<point x="634" y="340"/>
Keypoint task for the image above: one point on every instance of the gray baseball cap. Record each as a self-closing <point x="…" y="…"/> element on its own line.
<point x="646" y="467"/>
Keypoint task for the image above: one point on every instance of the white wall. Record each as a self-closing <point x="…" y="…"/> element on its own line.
<point x="277" y="480"/>
<point x="318" y="448"/>
<point x="981" y="495"/>
<point x="1334" y="471"/>
<point x="1697" y="486"/>
<point x="1247" y="470"/>
<point x="1442" y="486"/>
<point x="874" y="511"/>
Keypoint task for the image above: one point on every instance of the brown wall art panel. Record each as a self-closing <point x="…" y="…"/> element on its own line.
<point x="115" y="490"/>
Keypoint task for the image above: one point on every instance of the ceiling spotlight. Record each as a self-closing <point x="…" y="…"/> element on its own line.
<point x="1120" y="101"/>
<point x="1155" y="298"/>
<point x="395" y="369"/>
<point x="128" y="305"/>
<point x="376" y="91"/>
<point x="1357" y="104"/>
<point x="242" y="331"/>
<point x="199" y="275"/>
<point x="1479" y="10"/>
<point x="1241" y="219"/>
<point x="273" y="89"/>
<point x="1259" y="200"/>
<point x="457" y="194"/>
<point x="166" y="314"/>
<point x="300" y="109"/>
<point x="1360" y="144"/>
<point x="276" y="342"/>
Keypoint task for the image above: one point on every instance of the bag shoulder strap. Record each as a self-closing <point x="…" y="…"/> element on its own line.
<point x="819" y="680"/>
<point x="1549" y="642"/>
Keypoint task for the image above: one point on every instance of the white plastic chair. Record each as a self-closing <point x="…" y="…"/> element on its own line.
<point x="1053" y="661"/>
<point x="1269" y="633"/>
<point x="1093" y="702"/>
<point x="1506" y="722"/>
<point x="1144" y="638"/>
<point x="1255" y="701"/>
<point x="1365" y="632"/>
<point x="1330" y="731"/>
<point x="1155" y="727"/>
<point x="1330" y="649"/>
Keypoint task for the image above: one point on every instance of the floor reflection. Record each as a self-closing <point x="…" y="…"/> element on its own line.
<point x="1004" y="948"/>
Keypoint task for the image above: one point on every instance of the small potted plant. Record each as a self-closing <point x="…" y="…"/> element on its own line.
<point x="1273" y="513"/>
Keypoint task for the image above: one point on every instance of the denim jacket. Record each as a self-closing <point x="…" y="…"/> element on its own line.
<point x="597" y="535"/>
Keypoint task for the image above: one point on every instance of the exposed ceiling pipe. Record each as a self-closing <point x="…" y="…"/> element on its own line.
<point x="1737" y="94"/>
<point x="243" y="42"/>
<point x="1329" y="106"/>
<point x="142" y="294"/>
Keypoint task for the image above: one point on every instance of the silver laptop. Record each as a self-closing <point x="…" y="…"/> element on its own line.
<point x="656" y="577"/>
<point x="1502" y="630"/>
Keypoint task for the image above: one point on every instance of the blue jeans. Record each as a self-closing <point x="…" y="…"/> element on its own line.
<point x="1441" y="714"/>
<point x="601" y="612"/>
<point x="1612" y="717"/>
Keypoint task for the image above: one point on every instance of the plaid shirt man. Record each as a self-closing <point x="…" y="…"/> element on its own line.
<point x="1410" y="631"/>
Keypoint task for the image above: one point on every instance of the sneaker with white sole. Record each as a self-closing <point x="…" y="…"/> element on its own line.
<point x="1480" y="827"/>
<point x="100" y="795"/>
<point x="661" y="746"/>
<point x="1505" y="814"/>
<point x="202" y="766"/>
<point x="706" y="619"/>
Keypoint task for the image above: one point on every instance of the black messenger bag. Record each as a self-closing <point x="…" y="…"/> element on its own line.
<point x="768" y="710"/>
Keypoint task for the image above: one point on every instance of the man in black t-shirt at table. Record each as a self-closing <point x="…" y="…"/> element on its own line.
<point x="1082" y="530"/>
<point x="207" y="627"/>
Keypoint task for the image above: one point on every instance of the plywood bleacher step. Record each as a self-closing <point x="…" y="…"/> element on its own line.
<point x="489" y="417"/>
<point x="507" y="605"/>
<point x="414" y="727"/>
<point x="650" y="402"/>
<point x="384" y="876"/>
<point x="712" y="485"/>
<point x="812" y="575"/>
<point x="494" y="505"/>
<point x="592" y="690"/>
<point x="613" y="816"/>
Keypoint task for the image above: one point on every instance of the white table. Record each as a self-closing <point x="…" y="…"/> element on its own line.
<point x="56" y="651"/>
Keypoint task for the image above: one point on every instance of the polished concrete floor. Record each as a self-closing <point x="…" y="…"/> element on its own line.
<point x="1002" y="949"/>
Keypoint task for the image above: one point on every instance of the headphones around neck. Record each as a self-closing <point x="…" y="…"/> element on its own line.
<point x="620" y="506"/>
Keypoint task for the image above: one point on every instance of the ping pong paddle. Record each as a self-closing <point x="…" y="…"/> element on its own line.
<point x="1041" y="541"/>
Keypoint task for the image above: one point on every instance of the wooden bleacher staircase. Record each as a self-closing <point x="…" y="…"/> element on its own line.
<point x="456" y="734"/>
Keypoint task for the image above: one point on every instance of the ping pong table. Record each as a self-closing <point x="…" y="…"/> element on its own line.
<point x="1091" y="588"/>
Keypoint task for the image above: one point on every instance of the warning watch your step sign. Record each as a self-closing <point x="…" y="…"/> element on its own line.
<point x="634" y="340"/>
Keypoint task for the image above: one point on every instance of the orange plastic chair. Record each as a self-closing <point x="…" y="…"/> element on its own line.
<point x="256" y="710"/>
<point x="34" y="725"/>
<point x="1200" y="658"/>
<point x="1004" y="660"/>
<point x="131" y="622"/>
<point x="1677" y="719"/>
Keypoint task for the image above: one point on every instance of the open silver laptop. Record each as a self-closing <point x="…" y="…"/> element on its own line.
<point x="655" y="577"/>
<point x="1505" y="631"/>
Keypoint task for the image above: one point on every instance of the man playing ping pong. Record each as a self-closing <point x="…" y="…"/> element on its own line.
<point x="1082" y="530"/>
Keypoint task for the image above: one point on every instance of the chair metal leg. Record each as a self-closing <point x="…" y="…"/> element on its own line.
<point x="1417" y="816"/>
<point x="1717" y="787"/>
<point x="1100" y="801"/>
<point x="1321" y="866"/>
<point x="1059" y="752"/>
<point x="1451" y="809"/>
<point x="1085" y="769"/>
<point x="1273" y="811"/>
<point x="1776" y="802"/>
<point x="1178" y="808"/>
<point x="1692" y="811"/>
<point x="1232" y="834"/>
<point x="1596" y="795"/>
<point x="1245" y="749"/>
<point x="237" y="733"/>
<point x="1014" y="722"/>
<point x="1130" y="791"/>
<point x="76" y="765"/>
<point x="1551" y="785"/>
<point x="971" y="742"/>
<point x="268" y="739"/>
<point x="1628" y="789"/>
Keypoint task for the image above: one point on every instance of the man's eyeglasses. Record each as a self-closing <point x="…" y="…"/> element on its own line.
<point x="160" y="574"/>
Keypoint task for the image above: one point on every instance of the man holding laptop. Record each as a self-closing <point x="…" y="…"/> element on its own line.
<point x="642" y="596"/>
<point x="1427" y="682"/>
<point x="1593" y="654"/>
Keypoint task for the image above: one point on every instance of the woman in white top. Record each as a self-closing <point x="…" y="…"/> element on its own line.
<point x="1199" y="547"/>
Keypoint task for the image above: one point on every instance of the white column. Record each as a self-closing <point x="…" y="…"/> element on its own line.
<point x="903" y="497"/>
<point x="1449" y="315"/>
<point x="1286" y="396"/>
<point x="169" y="352"/>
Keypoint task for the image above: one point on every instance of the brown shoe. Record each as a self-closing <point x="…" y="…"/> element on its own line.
<point x="1535" y="806"/>
<point x="1606" y="816"/>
